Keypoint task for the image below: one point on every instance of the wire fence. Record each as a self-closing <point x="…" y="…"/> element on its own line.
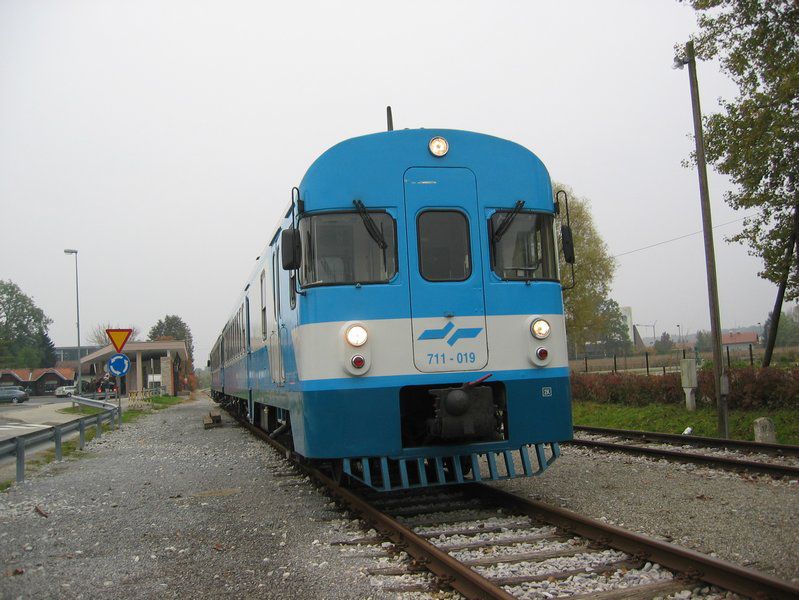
<point x="651" y="363"/>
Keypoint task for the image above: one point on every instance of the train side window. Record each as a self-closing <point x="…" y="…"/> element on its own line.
<point x="276" y="285"/>
<point x="263" y="304"/>
<point x="444" y="253"/>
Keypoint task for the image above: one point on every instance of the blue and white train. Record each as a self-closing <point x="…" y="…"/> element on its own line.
<point x="405" y="321"/>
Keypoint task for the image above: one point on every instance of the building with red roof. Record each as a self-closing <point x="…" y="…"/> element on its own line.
<point x="740" y="339"/>
<point x="38" y="382"/>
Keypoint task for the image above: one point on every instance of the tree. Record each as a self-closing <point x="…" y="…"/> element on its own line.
<point x="585" y="320"/>
<point x="788" y="331"/>
<point x="704" y="341"/>
<point x="755" y="138"/>
<point x="21" y="326"/>
<point x="172" y="327"/>
<point x="665" y="344"/>
<point x="47" y="349"/>
<point x="99" y="337"/>
<point x="615" y="337"/>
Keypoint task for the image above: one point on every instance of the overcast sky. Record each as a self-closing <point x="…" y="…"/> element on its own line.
<point x="161" y="139"/>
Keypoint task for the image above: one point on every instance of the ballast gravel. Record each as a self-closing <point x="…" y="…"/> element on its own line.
<point x="166" y="509"/>
<point x="750" y="520"/>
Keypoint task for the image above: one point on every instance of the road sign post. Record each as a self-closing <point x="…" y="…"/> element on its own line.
<point x="119" y="364"/>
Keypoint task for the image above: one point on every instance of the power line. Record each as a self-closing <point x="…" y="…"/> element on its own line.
<point x="678" y="237"/>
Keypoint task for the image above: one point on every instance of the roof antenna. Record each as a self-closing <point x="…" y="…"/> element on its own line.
<point x="389" y="118"/>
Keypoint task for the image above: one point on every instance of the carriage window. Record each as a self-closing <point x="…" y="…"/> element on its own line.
<point x="524" y="247"/>
<point x="263" y="304"/>
<point x="444" y="245"/>
<point x="341" y="248"/>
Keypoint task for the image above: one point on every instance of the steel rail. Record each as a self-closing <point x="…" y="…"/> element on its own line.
<point x="693" y="564"/>
<point x="694" y="440"/>
<point x="451" y="572"/>
<point x="448" y="570"/>
<point x="722" y="462"/>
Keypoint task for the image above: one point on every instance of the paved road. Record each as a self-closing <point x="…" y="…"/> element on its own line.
<point x="39" y="412"/>
<point x="34" y="401"/>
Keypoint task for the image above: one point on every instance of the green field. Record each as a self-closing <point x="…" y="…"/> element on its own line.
<point x="669" y="418"/>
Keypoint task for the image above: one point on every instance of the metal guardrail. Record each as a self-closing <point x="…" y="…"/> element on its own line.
<point x="17" y="446"/>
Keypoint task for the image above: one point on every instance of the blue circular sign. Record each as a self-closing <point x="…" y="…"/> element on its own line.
<point x="119" y="365"/>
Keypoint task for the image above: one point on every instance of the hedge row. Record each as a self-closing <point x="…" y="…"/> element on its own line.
<point x="750" y="388"/>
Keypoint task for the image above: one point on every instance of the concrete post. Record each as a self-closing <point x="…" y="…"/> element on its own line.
<point x="765" y="431"/>
<point x="139" y="374"/>
<point x="689" y="385"/>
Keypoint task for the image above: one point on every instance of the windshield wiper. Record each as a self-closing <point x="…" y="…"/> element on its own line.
<point x="369" y="223"/>
<point x="506" y="222"/>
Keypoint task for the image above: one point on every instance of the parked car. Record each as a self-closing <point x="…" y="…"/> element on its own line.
<point x="65" y="391"/>
<point x="13" y="394"/>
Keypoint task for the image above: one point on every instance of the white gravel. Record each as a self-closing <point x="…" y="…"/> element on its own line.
<point x="786" y="460"/>
<point x="749" y="520"/>
<point x="165" y="509"/>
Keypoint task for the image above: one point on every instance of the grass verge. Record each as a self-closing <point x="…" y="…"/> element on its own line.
<point x="669" y="418"/>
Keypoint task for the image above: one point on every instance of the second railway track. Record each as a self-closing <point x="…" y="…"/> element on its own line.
<point x="487" y="543"/>
<point x="777" y="460"/>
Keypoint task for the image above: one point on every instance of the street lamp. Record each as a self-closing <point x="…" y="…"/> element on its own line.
<point x="719" y="376"/>
<point x="77" y="308"/>
<point x="679" y="334"/>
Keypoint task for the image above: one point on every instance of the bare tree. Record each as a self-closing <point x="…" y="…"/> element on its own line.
<point x="98" y="336"/>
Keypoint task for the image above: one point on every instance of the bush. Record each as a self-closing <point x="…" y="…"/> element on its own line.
<point x="750" y="388"/>
<point x="625" y="388"/>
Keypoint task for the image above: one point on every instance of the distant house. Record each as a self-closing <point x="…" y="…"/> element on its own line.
<point x="740" y="339"/>
<point x="38" y="382"/>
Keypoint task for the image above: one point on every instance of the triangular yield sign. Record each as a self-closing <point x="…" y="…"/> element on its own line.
<point x="119" y="337"/>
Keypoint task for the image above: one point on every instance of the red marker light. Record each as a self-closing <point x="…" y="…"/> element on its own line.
<point x="358" y="361"/>
<point x="542" y="353"/>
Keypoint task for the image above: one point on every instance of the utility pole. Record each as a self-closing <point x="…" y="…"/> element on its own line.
<point x="77" y="308"/>
<point x="720" y="380"/>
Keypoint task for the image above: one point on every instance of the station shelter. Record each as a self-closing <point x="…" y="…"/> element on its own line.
<point x="153" y="364"/>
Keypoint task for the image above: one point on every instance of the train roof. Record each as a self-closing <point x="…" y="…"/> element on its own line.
<point x="368" y="165"/>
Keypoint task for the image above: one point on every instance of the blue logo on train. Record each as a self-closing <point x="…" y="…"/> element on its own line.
<point x="464" y="333"/>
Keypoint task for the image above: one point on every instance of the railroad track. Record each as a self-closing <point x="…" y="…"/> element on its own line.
<point x="778" y="460"/>
<point x="487" y="543"/>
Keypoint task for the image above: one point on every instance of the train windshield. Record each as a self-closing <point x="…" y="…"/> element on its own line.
<point x="348" y="248"/>
<point x="523" y="245"/>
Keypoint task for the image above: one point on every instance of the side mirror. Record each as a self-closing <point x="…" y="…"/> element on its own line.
<point x="290" y="251"/>
<point x="568" y="243"/>
<point x="209" y="363"/>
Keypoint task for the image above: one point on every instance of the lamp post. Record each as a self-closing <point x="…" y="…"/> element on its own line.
<point x="719" y="376"/>
<point x="679" y="334"/>
<point x="77" y="308"/>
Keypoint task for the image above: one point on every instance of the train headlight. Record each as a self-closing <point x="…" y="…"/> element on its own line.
<point x="356" y="336"/>
<point x="540" y="329"/>
<point x="438" y="146"/>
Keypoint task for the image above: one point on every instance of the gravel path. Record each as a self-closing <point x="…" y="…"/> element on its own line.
<point x="748" y="520"/>
<point x="166" y="509"/>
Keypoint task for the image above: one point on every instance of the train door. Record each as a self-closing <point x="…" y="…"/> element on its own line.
<point x="276" y="368"/>
<point x="445" y="270"/>
<point x="248" y="357"/>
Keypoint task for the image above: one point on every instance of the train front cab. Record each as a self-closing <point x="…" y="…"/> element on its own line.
<point x="418" y="412"/>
